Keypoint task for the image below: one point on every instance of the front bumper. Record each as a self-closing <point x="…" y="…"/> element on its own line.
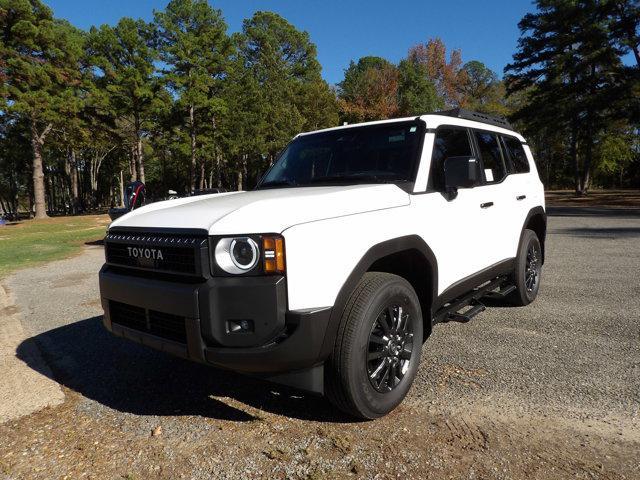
<point x="280" y="341"/>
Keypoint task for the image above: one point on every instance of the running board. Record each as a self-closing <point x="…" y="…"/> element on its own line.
<point x="467" y="315"/>
<point x="451" y="311"/>
<point x="500" y="294"/>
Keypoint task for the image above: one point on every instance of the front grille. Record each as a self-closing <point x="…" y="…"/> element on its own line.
<point x="163" y="325"/>
<point x="128" y="316"/>
<point x="172" y="253"/>
<point x="168" y="326"/>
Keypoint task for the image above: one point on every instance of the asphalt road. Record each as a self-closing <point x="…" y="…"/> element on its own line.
<point x="551" y="390"/>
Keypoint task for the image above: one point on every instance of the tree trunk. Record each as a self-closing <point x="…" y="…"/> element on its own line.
<point x="218" y="172"/>
<point x="37" y="141"/>
<point x="52" y="194"/>
<point x="133" y="174"/>
<point x="574" y="157"/>
<point x="139" y="153"/>
<point x="121" y="190"/>
<point x="73" y="179"/>
<point x="241" y="170"/>
<point x="202" y="174"/>
<point x="192" y="131"/>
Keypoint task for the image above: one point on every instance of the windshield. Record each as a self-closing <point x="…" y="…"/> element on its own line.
<point x="373" y="154"/>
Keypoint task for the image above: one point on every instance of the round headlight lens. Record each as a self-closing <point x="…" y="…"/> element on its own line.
<point x="237" y="255"/>
<point x="244" y="253"/>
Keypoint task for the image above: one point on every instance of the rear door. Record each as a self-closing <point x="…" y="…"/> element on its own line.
<point x="519" y="186"/>
<point x="494" y="198"/>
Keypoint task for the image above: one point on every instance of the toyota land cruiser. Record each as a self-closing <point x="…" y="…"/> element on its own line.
<point x="331" y="274"/>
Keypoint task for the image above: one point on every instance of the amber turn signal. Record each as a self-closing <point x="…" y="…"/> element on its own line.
<point x="273" y="248"/>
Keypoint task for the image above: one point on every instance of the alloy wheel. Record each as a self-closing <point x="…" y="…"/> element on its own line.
<point x="532" y="268"/>
<point x="389" y="348"/>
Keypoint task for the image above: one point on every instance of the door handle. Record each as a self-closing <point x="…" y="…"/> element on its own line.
<point x="486" y="205"/>
<point x="521" y="197"/>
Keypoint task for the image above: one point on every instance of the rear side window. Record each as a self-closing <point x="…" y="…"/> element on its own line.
<point x="518" y="158"/>
<point x="449" y="142"/>
<point x="491" y="154"/>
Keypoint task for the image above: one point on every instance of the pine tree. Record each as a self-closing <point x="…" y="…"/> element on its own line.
<point x="39" y="57"/>
<point x="124" y="56"/>
<point x="194" y="45"/>
<point x="570" y="67"/>
<point x="416" y="92"/>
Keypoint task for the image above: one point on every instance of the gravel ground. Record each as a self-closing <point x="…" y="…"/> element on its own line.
<point x="547" y="391"/>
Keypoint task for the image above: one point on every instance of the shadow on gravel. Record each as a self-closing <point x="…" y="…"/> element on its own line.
<point x="131" y="378"/>
<point x="596" y="232"/>
<point x="593" y="212"/>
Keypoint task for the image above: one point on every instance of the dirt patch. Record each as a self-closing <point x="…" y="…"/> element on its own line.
<point x="26" y="381"/>
<point x="92" y="303"/>
<point x="70" y="280"/>
<point x="412" y="442"/>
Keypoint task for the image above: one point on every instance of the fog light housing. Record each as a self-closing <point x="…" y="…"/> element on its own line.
<point x="240" y="326"/>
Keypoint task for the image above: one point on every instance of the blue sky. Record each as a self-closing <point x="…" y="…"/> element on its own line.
<point x="349" y="29"/>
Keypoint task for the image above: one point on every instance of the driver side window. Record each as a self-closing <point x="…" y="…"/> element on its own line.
<point x="449" y="142"/>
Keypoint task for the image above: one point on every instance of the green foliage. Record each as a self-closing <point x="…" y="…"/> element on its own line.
<point x="483" y="91"/>
<point x="39" y="55"/>
<point x="274" y="89"/>
<point x="417" y="93"/>
<point x="193" y="43"/>
<point x="369" y="90"/>
<point x="569" y="65"/>
<point x="614" y="154"/>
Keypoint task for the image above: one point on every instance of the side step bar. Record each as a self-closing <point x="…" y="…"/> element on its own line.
<point x="451" y="311"/>
<point x="467" y="315"/>
<point x="500" y="294"/>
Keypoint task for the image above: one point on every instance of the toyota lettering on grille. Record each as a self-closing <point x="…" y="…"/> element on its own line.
<point x="145" y="253"/>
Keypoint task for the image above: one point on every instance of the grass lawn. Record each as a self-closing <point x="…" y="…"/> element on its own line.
<point x="32" y="242"/>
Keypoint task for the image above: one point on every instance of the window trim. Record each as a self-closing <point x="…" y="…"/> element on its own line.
<point x="479" y="157"/>
<point x="522" y="144"/>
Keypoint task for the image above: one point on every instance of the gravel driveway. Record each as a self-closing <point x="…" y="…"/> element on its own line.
<point x="547" y="391"/>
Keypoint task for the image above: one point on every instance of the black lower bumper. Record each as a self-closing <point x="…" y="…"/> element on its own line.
<point x="154" y="312"/>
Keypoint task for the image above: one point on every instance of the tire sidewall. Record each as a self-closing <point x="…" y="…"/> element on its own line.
<point x="526" y="296"/>
<point x="368" y="399"/>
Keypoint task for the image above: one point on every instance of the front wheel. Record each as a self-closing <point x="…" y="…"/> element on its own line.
<point x="377" y="349"/>
<point x="528" y="270"/>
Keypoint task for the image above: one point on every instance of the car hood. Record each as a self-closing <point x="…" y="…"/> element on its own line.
<point x="263" y="211"/>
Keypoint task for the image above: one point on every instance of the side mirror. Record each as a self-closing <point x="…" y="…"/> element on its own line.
<point x="460" y="172"/>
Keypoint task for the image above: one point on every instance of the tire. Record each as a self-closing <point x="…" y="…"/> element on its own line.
<point x="528" y="269"/>
<point x="359" y="386"/>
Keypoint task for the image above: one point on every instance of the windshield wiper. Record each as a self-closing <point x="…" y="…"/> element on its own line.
<point x="276" y="183"/>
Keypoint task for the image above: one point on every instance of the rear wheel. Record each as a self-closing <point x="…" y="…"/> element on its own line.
<point x="528" y="270"/>
<point x="378" y="345"/>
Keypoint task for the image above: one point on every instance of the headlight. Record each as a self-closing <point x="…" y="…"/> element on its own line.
<point x="237" y="255"/>
<point x="251" y="255"/>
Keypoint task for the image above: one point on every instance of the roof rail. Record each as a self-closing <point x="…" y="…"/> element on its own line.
<point x="476" y="116"/>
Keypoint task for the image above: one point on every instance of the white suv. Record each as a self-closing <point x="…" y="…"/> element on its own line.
<point x="330" y="275"/>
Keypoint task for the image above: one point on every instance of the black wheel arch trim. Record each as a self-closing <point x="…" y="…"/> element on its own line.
<point x="536" y="211"/>
<point x="375" y="253"/>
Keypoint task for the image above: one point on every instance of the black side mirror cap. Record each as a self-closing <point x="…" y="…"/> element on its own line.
<point x="461" y="172"/>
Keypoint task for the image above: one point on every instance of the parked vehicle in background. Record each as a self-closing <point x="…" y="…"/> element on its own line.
<point x="331" y="274"/>
<point x="134" y="197"/>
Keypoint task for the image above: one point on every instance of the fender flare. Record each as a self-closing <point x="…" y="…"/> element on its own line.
<point x="533" y="212"/>
<point x="376" y="252"/>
